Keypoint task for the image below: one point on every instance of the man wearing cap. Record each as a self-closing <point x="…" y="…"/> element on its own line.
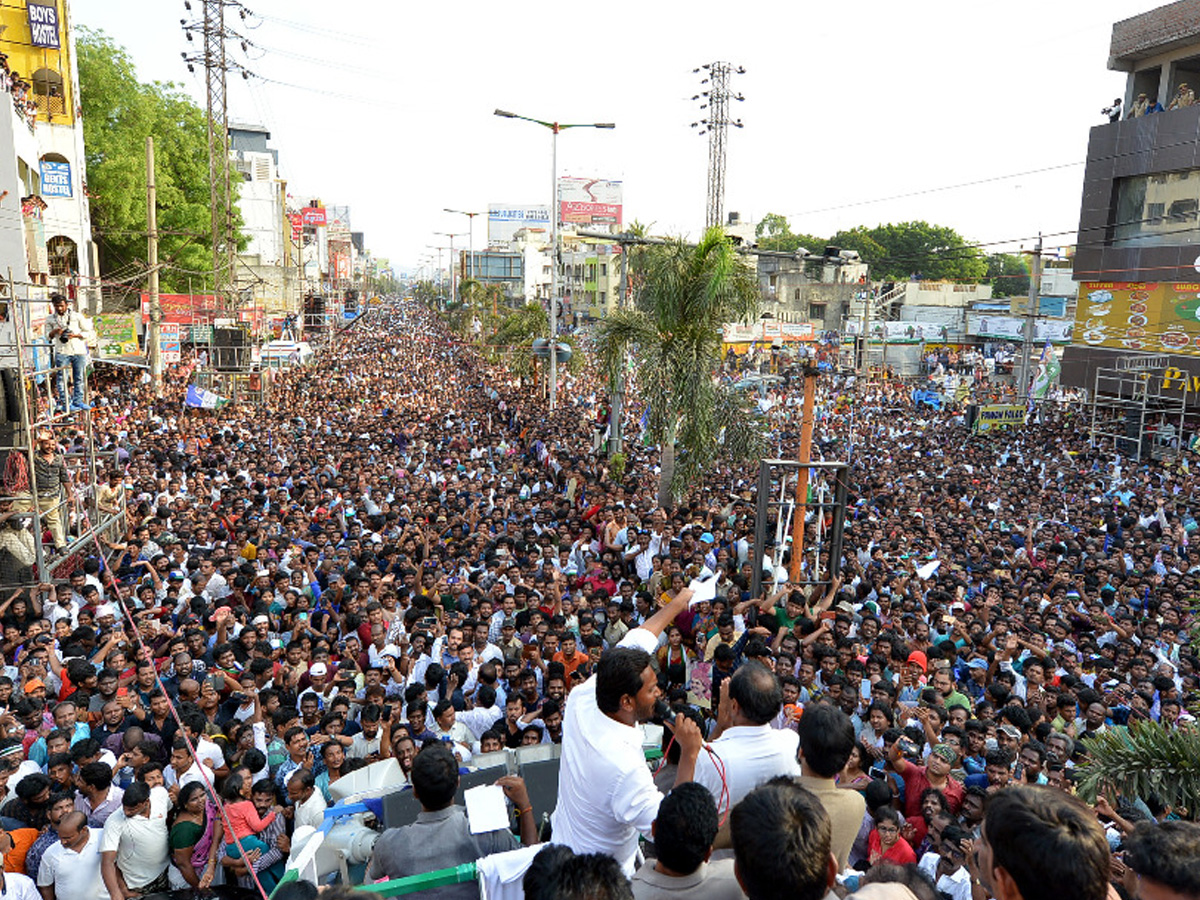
<point x="934" y="774"/>
<point x="708" y="547"/>
<point x="1184" y="96"/>
<point x="319" y="687"/>
<point x="912" y="677"/>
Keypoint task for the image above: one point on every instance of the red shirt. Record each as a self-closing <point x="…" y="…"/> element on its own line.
<point x="900" y="852"/>
<point x="916" y="780"/>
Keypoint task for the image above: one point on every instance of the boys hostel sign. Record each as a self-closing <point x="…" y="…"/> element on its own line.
<point x="43" y="25"/>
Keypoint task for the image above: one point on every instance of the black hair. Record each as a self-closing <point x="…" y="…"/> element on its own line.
<point x="781" y="841"/>
<point x="135" y="795"/>
<point x="757" y="691"/>
<point x="231" y="790"/>
<point x="878" y="793"/>
<point x="1044" y="838"/>
<point x="540" y="875"/>
<point x="435" y="776"/>
<point x="1168" y="854"/>
<point x="618" y="674"/>
<point x="826" y="739"/>
<point x="589" y="876"/>
<point x="85" y="748"/>
<point x="96" y="775"/>
<point x="295" y="890"/>
<point x="254" y="760"/>
<point x="686" y="827"/>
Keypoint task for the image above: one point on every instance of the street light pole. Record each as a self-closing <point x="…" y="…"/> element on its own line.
<point x="470" y="238"/>
<point x="453" y="266"/>
<point x="555" y="128"/>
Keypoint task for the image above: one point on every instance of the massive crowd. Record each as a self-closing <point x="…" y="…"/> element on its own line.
<point x="405" y="554"/>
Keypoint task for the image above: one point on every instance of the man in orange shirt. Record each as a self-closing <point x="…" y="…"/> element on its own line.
<point x="569" y="656"/>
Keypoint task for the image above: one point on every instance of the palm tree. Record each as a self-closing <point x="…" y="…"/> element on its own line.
<point x="516" y="333"/>
<point x="686" y="293"/>
<point x="1144" y="759"/>
<point x="476" y="303"/>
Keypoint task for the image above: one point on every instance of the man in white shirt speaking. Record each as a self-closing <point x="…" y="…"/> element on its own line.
<point x="606" y="794"/>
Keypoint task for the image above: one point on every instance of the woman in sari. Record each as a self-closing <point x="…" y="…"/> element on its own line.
<point x="195" y="839"/>
<point x="674" y="659"/>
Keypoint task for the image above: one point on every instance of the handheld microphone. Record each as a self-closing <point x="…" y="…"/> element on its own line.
<point x="664" y="712"/>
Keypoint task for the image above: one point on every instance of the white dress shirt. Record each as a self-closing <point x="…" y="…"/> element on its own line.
<point x="311" y="811"/>
<point x="752" y="754"/>
<point x="606" y="795"/>
<point x="956" y="885"/>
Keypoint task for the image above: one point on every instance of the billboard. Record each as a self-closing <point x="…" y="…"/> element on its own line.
<point x="116" y="334"/>
<point x="313" y="217"/>
<point x="169" y="344"/>
<point x="1148" y="316"/>
<point x="1012" y="328"/>
<point x="184" y="309"/>
<point x="589" y="202"/>
<point x="768" y="332"/>
<point x="1055" y="307"/>
<point x="506" y="219"/>
<point x="999" y="416"/>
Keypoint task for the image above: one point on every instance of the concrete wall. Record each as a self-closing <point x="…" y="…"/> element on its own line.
<point x="14" y="133"/>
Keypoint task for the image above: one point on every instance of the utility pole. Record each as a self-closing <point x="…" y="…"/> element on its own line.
<point x="806" y="432"/>
<point x="1035" y="283"/>
<point x="217" y="66"/>
<point x="555" y="128"/>
<point x="617" y="401"/>
<point x="715" y="101"/>
<point x="154" y="339"/>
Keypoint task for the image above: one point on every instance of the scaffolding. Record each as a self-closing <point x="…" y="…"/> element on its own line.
<point x="252" y="386"/>
<point x="1137" y="411"/>
<point x="31" y="383"/>
<point x="824" y="512"/>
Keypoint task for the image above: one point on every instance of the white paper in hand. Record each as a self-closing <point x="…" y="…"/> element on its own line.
<point x="926" y="571"/>
<point x="702" y="589"/>
<point x="486" y="810"/>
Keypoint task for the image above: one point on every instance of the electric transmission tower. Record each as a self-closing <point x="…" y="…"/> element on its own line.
<point x="214" y="34"/>
<point x="714" y="102"/>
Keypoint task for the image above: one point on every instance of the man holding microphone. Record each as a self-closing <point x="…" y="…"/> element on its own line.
<point x="606" y="794"/>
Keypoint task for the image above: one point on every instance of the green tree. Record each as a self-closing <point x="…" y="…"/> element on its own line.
<point x="674" y="335"/>
<point x="860" y="240"/>
<point x="1008" y="275"/>
<point x="119" y="111"/>
<point x="935" y="252"/>
<point x="426" y="292"/>
<point x="516" y="332"/>
<point x="774" y="233"/>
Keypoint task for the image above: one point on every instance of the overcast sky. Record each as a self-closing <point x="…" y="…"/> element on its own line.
<point x="387" y="106"/>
